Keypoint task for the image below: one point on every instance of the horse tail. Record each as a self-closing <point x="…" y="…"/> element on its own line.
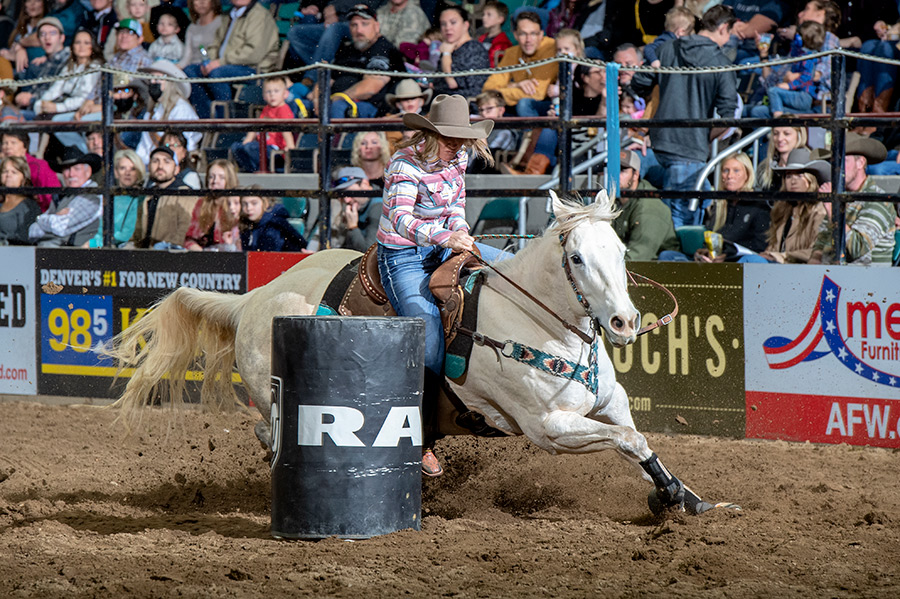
<point x="170" y="338"/>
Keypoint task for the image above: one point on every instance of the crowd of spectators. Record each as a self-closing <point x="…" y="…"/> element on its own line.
<point x="66" y="38"/>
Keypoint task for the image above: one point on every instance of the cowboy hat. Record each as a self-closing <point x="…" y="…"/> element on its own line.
<point x="858" y="145"/>
<point x="407" y="90"/>
<point x="449" y="116"/>
<point x="167" y="67"/>
<point x="72" y="156"/>
<point x="801" y="160"/>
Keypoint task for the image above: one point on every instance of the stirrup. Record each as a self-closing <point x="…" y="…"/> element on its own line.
<point x="430" y="464"/>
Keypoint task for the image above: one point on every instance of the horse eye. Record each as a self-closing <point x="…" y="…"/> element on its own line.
<point x="576" y="259"/>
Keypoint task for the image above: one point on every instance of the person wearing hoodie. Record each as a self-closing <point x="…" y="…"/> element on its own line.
<point x="683" y="152"/>
<point x="265" y="228"/>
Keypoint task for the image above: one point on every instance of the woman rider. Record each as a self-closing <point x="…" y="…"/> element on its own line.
<point x="423" y="222"/>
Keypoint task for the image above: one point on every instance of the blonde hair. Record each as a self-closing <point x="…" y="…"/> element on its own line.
<point x="576" y="36"/>
<point x="765" y="177"/>
<point x="429" y="150"/>
<point x="680" y="17"/>
<point x="385" y="156"/>
<point x="720" y="207"/>
<point x="132" y="156"/>
<point x="211" y="208"/>
<point x="782" y="210"/>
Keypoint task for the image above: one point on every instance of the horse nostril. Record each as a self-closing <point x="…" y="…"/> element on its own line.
<point x="617" y="323"/>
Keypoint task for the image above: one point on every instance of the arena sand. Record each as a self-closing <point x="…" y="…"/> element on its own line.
<point x="183" y="512"/>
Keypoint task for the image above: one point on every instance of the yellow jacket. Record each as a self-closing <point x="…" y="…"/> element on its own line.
<point x="545" y="74"/>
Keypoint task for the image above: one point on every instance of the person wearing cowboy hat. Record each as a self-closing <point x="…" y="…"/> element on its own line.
<point x="870" y="226"/>
<point x="795" y="224"/>
<point x="423" y="221"/>
<point x="72" y="219"/>
<point x="171" y="104"/>
<point x="408" y="96"/>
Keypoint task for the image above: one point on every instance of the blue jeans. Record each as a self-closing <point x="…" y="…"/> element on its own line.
<point x="680" y="175"/>
<point x="340" y="109"/>
<point x="875" y="74"/>
<point x="405" y="274"/>
<point x="247" y="155"/>
<point x="532" y="107"/>
<point x="314" y="42"/>
<point x="783" y="100"/>
<point x="203" y="94"/>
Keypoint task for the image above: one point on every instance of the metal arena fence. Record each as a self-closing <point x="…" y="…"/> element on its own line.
<point x="327" y="130"/>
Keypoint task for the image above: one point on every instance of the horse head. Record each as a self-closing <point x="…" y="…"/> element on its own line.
<point x="594" y="258"/>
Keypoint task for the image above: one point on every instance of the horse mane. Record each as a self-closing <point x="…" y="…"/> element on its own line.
<point x="577" y="212"/>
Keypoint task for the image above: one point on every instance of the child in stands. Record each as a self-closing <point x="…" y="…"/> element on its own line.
<point x="168" y="46"/>
<point x="494" y="39"/>
<point x="246" y="152"/>
<point x="679" y="23"/>
<point x="265" y="228"/>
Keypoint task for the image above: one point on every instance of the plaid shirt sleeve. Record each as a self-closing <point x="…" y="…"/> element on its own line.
<point x="806" y="82"/>
<point x="83" y="210"/>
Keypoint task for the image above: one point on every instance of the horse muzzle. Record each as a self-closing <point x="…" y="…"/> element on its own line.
<point x="620" y="331"/>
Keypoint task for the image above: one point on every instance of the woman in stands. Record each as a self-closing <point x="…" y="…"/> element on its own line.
<point x="65" y="96"/>
<point x="371" y="153"/>
<point x="206" y="17"/>
<point x="129" y="172"/>
<point x="795" y="224"/>
<point x="423" y="222"/>
<point x="213" y="226"/>
<point x="782" y="141"/>
<point x="15" y="143"/>
<point x="171" y="104"/>
<point x="459" y="52"/>
<point x="17" y="212"/>
<point x="24" y="44"/>
<point x="265" y="226"/>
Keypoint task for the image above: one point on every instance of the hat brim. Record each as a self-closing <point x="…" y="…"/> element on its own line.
<point x="94" y="161"/>
<point x="479" y="130"/>
<point x="819" y="168"/>
<point x="873" y="151"/>
<point x="155" y="68"/>
<point x="392" y="98"/>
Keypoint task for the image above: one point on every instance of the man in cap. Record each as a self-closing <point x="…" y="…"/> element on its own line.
<point x="869" y="226"/>
<point x="246" y="43"/>
<point x="163" y="221"/>
<point x="360" y="214"/>
<point x="72" y="220"/>
<point x="645" y="224"/>
<point x="53" y="42"/>
<point x="130" y="54"/>
<point x="362" y="95"/>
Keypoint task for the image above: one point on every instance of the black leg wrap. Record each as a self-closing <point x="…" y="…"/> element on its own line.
<point x="669" y="490"/>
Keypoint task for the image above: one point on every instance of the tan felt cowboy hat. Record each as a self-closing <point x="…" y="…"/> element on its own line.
<point x="167" y="67"/>
<point x="800" y="160"/>
<point x="858" y="145"/>
<point x="449" y="116"/>
<point x="407" y="90"/>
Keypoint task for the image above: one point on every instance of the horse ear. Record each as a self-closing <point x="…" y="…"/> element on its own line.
<point x="602" y="201"/>
<point x="560" y="210"/>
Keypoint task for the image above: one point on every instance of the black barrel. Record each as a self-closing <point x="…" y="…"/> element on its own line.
<point x="346" y="426"/>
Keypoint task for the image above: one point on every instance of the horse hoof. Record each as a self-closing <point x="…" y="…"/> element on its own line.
<point x="263" y="433"/>
<point x="696" y="506"/>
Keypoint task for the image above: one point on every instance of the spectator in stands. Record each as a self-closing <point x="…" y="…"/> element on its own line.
<point x="319" y="42"/>
<point x="644" y="224"/>
<point x="70" y="13"/>
<point x="163" y="221"/>
<point x="627" y="55"/>
<point x="870" y="226"/>
<point x="459" y="52"/>
<point x="72" y="219"/>
<point x="178" y="144"/>
<point x="129" y="172"/>
<point x="130" y="101"/>
<point x="56" y="55"/>
<point x="679" y="23"/>
<point x="246" y="44"/>
<point x="362" y="95"/>
<point x="66" y="96"/>
<point x="139" y="10"/>
<point x="94" y="141"/>
<point x="265" y="226"/>
<point x="527" y="89"/>
<point x="782" y="141"/>
<point x="876" y="79"/>
<point x="683" y="152"/>
<point x="168" y="46"/>
<point x="170" y="104"/>
<point x="246" y="152"/>
<point x="568" y="43"/>
<point x="8" y="112"/>
<point x="17" y="212"/>
<point x="102" y="20"/>
<point x="359" y="215"/>
<point x="743" y="223"/>
<point x="15" y="143"/>
<point x="795" y="224"/>
<point x="172" y="7"/>
<point x="408" y="96"/>
<point x="130" y="54"/>
<point x="491" y="106"/>
<point x="493" y="38"/>
<point x="213" y="226"/>
<point x="754" y="17"/>
<point x="24" y="43"/>
<point x="402" y="21"/>
<point x="206" y="18"/>
<point x="371" y="153"/>
<point x="800" y="85"/>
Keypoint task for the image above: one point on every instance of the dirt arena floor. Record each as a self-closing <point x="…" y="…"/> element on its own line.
<point x="185" y="513"/>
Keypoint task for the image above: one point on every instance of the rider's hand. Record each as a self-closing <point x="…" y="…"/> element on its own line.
<point x="460" y="241"/>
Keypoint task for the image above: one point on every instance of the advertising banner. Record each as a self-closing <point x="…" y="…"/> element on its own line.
<point x="823" y="354"/>
<point x="687" y="376"/>
<point x="18" y="368"/>
<point x="87" y="297"/>
<point x="263" y="267"/>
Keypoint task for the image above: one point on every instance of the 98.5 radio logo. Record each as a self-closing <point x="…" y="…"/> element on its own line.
<point x="73" y="327"/>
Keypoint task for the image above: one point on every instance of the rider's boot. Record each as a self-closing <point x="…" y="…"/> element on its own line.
<point x="430" y="464"/>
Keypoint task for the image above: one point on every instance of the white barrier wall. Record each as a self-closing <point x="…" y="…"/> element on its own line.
<point x="822" y="348"/>
<point x="18" y="364"/>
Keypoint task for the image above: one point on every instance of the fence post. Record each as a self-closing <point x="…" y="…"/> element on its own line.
<point x="837" y="125"/>
<point x="564" y="131"/>
<point x="325" y="139"/>
<point x="613" y="136"/>
<point x="106" y="103"/>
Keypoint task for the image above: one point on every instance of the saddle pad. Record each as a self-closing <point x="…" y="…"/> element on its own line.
<point x="456" y="362"/>
<point x="346" y="295"/>
<point x="334" y="294"/>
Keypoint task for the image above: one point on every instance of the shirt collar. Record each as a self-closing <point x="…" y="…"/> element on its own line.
<point x="103" y="12"/>
<point x="237" y="13"/>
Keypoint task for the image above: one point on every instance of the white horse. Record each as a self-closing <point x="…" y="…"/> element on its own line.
<point x="559" y="414"/>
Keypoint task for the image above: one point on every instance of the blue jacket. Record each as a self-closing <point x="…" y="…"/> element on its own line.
<point x="273" y="233"/>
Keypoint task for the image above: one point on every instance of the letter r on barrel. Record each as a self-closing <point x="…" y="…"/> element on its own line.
<point x="341" y="424"/>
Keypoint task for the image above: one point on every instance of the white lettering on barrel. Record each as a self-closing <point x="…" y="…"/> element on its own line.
<point x="344" y="423"/>
<point x="400" y="422"/>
